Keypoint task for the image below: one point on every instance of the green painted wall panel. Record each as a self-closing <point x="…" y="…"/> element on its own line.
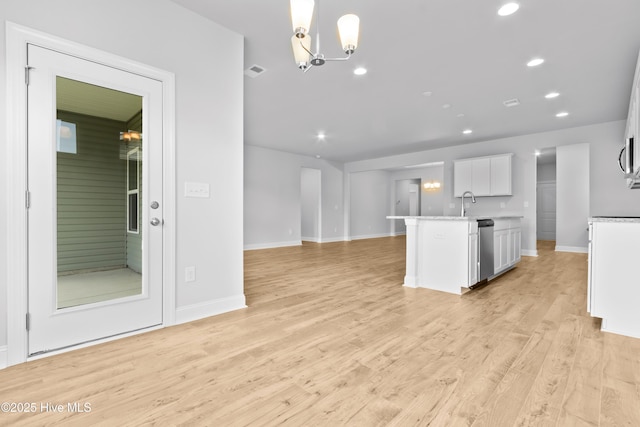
<point x="91" y="197"/>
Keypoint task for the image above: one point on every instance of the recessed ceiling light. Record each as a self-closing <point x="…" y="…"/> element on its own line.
<point x="508" y="9"/>
<point x="460" y="115"/>
<point x="445" y="106"/>
<point x="535" y="62"/>
<point x="562" y="114"/>
<point x="427" y="93"/>
<point x="321" y="136"/>
<point x="317" y="156"/>
<point x="467" y="131"/>
<point x="360" y="71"/>
<point x="552" y="95"/>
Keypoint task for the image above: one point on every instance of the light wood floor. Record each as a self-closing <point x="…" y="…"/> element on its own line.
<point x="332" y="338"/>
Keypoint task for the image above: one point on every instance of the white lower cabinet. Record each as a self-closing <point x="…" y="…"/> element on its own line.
<point x="474" y="265"/>
<point x="514" y="246"/>
<point x="500" y="250"/>
<point x="614" y="292"/>
<point x="507" y="242"/>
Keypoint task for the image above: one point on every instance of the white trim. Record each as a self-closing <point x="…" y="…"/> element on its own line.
<point x="332" y="239"/>
<point x="577" y="249"/>
<point x="613" y="326"/>
<point x="399" y="233"/>
<point x="529" y="252"/>
<point x="209" y="308"/>
<point x="3" y="357"/>
<point x="311" y="239"/>
<point x="272" y="245"/>
<point x="91" y="343"/>
<point x="371" y="236"/>
<point x="17" y="38"/>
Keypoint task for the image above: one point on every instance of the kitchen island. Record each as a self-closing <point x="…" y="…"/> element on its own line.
<point x="443" y="251"/>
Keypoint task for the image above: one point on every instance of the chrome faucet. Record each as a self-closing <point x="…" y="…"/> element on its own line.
<point x="473" y="200"/>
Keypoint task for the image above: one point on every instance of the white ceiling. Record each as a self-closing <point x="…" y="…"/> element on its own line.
<point x="84" y="98"/>
<point x="460" y="50"/>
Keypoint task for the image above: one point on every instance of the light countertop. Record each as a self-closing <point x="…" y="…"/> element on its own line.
<point x="458" y="218"/>
<point x="614" y="219"/>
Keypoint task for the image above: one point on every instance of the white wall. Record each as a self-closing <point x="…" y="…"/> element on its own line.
<point x="547" y="172"/>
<point x="608" y="194"/>
<point x="572" y="201"/>
<point x="310" y="189"/>
<point x="207" y="61"/>
<point x="369" y="202"/>
<point x="272" y="203"/>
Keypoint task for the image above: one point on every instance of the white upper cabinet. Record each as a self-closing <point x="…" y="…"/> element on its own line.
<point x="483" y="176"/>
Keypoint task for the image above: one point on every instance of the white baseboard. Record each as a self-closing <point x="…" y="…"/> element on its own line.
<point x="577" y="249"/>
<point x="3" y="357"/>
<point x="332" y="239"/>
<point x="311" y="239"/>
<point x="209" y="308"/>
<point x="529" y="252"/>
<point x="614" y="326"/>
<point x="272" y="245"/>
<point x="371" y="236"/>
<point x="399" y="233"/>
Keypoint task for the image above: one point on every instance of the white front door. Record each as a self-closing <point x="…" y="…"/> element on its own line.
<point x="95" y="203"/>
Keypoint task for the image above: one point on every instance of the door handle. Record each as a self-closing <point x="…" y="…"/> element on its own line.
<point x="155" y="222"/>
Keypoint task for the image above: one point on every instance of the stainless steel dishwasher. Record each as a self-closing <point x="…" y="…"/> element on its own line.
<point x="485" y="249"/>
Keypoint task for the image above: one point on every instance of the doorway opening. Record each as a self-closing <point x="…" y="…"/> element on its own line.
<point x="311" y="205"/>
<point x="546" y="195"/>
<point x="407" y="201"/>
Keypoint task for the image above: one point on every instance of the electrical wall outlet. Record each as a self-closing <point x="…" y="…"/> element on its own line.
<point x="190" y="274"/>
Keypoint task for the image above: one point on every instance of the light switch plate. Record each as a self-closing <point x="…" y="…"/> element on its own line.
<point x="196" y="189"/>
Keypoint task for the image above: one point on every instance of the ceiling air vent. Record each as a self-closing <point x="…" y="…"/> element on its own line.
<point x="511" y="102"/>
<point x="254" y="71"/>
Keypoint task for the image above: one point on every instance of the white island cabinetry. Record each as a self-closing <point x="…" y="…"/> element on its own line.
<point x="443" y="252"/>
<point x="613" y="285"/>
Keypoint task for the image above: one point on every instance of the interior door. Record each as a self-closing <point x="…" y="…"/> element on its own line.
<point x="546" y="215"/>
<point x="95" y="201"/>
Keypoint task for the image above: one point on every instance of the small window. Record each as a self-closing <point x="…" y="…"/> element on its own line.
<point x="133" y="190"/>
<point x="66" y="137"/>
<point x="133" y="213"/>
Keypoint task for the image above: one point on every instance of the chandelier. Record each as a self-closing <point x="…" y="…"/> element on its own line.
<point x="301" y="15"/>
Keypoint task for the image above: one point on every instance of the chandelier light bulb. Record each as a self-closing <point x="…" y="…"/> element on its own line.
<point x="349" y="28"/>
<point x="300" y="55"/>
<point x="301" y="15"/>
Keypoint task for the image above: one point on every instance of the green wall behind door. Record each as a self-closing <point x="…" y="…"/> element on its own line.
<point x="91" y="197"/>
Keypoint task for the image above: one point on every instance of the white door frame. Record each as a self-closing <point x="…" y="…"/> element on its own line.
<point x="17" y="257"/>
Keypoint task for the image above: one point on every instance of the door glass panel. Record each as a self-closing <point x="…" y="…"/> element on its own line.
<point x="99" y="193"/>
